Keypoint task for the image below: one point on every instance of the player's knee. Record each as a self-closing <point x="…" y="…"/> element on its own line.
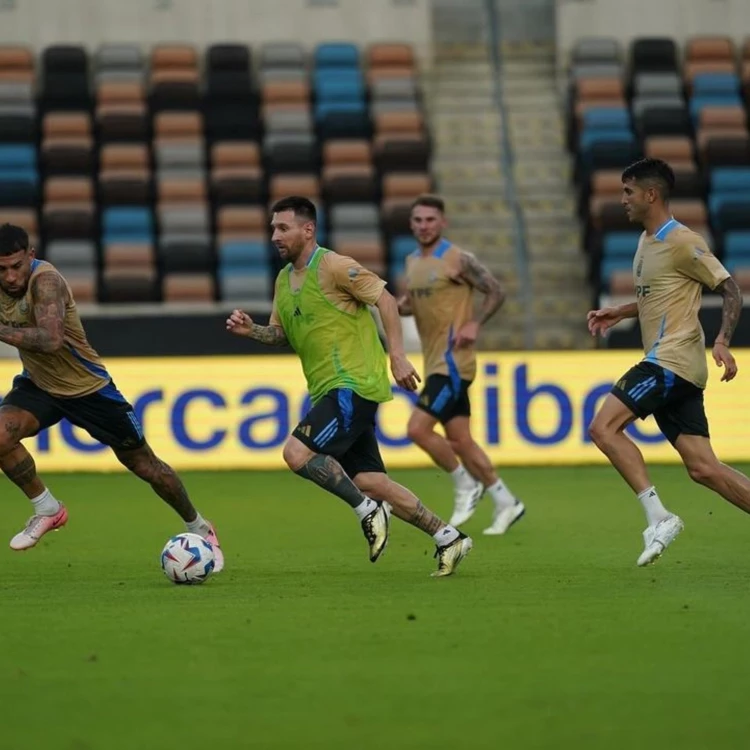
<point x="140" y="462"/>
<point x="703" y="472"/>
<point x="417" y="433"/>
<point x="373" y="484"/>
<point x="295" y="454"/>
<point x="599" y="432"/>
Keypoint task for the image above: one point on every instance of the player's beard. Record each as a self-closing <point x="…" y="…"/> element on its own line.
<point x="430" y="241"/>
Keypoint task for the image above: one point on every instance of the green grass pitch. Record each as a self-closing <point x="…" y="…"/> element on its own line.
<point x="548" y="638"/>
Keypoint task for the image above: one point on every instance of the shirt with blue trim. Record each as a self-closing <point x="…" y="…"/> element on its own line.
<point x="442" y="302"/>
<point x="670" y="269"/>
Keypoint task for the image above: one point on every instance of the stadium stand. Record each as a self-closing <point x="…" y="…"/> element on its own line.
<point x="147" y="175"/>
<point x="689" y="107"/>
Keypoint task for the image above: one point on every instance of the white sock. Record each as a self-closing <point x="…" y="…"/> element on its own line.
<point x="45" y="504"/>
<point x="200" y="526"/>
<point x="445" y="536"/>
<point x="501" y="495"/>
<point x="365" y="508"/>
<point x="651" y="503"/>
<point x="462" y="479"/>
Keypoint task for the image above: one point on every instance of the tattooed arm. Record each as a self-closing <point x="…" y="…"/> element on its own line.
<point x="48" y="295"/>
<point x="731" y="309"/>
<point x="730" y="314"/>
<point x="241" y="324"/>
<point x="478" y="277"/>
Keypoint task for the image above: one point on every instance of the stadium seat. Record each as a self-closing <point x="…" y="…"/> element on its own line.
<point x="118" y="63"/>
<point x="65" y="78"/>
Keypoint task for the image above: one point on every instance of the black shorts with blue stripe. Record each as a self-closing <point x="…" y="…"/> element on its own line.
<point x="342" y="425"/>
<point x="445" y="397"/>
<point x="105" y="414"/>
<point x="676" y="403"/>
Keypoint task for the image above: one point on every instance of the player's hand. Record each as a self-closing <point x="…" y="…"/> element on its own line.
<point x="467" y="335"/>
<point x="404" y="373"/>
<point x="722" y="356"/>
<point x="239" y="323"/>
<point x="600" y="321"/>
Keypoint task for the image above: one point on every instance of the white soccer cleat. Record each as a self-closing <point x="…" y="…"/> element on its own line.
<point x="658" y="537"/>
<point x="450" y="555"/>
<point x="504" y="518"/>
<point x="465" y="503"/>
<point x="375" y="527"/>
<point x="37" y="527"/>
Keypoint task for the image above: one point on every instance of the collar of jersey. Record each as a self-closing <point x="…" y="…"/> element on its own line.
<point x="666" y="228"/>
<point x="309" y="260"/>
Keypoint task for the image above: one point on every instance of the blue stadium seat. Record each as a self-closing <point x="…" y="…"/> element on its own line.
<point x="606" y="118"/>
<point x="730" y="179"/>
<point x="401" y="246"/>
<point x="697" y="103"/>
<point x="17" y="156"/>
<point x="244" y="255"/>
<point x="19" y="177"/>
<point x="336" y="55"/>
<point x="342" y="120"/>
<point x="713" y="84"/>
<point x="620" y="245"/>
<point x="127" y="224"/>
<point x="339" y="90"/>
<point x="590" y="137"/>
<point x="737" y="246"/>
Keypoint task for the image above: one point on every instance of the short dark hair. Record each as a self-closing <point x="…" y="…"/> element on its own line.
<point x="654" y="171"/>
<point x="13" y="239"/>
<point x="429" y="201"/>
<point x="302" y="207"/>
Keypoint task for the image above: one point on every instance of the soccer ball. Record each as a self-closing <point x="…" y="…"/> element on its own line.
<point x="187" y="558"/>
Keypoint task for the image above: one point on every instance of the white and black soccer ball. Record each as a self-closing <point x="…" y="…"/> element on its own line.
<point x="187" y="558"/>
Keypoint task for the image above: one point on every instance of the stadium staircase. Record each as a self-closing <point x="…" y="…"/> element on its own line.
<point x="500" y="162"/>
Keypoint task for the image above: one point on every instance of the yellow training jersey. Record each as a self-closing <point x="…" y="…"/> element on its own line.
<point x="670" y="269"/>
<point x="73" y="370"/>
<point x="441" y="302"/>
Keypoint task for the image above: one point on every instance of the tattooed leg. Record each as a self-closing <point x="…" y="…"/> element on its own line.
<point x="163" y="479"/>
<point x="15" y="461"/>
<point x="18" y="465"/>
<point x="327" y="473"/>
<point x="406" y="505"/>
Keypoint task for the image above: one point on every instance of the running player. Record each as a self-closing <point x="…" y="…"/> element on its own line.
<point x="671" y="265"/>
<point x="320" y="309"/>
<point x="63" y="377"/>
<point x="441" y="280"/>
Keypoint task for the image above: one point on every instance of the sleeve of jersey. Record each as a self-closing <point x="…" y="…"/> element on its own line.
<point x="697" y="262"/>
<point x="355" y="280"/>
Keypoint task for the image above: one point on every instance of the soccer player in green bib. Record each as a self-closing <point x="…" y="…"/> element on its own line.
<point x="320" y="309"/>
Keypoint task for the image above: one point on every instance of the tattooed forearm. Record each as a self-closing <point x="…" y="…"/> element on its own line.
<point x="327" y="473"/>
<point x="48" y="294"/>
<point x="425" y="520"/>
<point x="479" y="277"/>
<point x="731" y="309"/>
<point x="271" y="335"/>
